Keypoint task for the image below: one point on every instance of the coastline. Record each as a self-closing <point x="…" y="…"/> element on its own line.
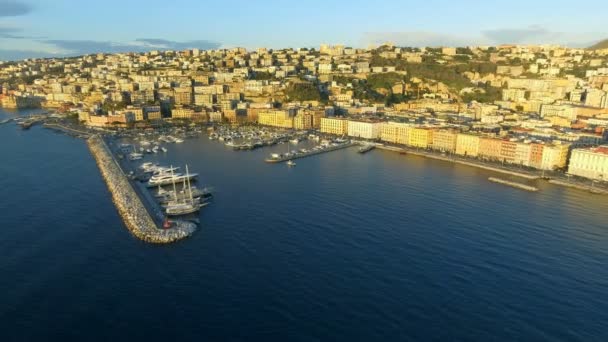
<point x="587" y="188"/>
<point x="446" y="159"/>
<point x="569" y="184"/>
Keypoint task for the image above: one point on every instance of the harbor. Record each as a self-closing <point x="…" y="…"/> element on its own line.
<point x="136" y="216"/>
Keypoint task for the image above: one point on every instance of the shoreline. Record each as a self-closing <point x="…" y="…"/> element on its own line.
<point x="472" y="164"/>
<point x="587" y="188"/>
<point x="573" y="185"/>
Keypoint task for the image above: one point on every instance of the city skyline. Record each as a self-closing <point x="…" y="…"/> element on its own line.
<point x="38" y="29"/>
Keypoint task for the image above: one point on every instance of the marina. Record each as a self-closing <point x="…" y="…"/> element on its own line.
<point x="134" y="213"/>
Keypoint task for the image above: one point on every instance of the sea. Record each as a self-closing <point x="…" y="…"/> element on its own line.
<point x="342" y="247"/>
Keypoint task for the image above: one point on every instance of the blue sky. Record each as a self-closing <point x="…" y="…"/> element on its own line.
<point x="31" y="28"/>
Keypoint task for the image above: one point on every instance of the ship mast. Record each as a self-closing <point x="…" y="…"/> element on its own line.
<point x="189" y="186"/>
<point x="173" y="180"/>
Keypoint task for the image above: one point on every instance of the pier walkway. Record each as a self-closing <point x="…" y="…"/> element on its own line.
<point x="310" y="153"/>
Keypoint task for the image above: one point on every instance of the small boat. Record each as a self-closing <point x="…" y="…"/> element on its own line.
<point x="366" y="148"/>
<point x="164" y="149"/>
<point x="135" y="156"/>
<point x="291" y="163"/>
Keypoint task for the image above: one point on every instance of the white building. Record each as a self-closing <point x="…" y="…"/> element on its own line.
<point x="364" y="129"/>
<point x="589" y="163"/>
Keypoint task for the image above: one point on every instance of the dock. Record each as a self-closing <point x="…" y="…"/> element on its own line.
<point x="366" y="148"/>
<point x="513" y="184"/>
<point x="310" y="153"/>
<point x="138" y="219"/>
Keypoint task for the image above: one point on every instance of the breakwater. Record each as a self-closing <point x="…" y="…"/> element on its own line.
<point x="133" y="212"/>
<point x="513" y="184"/>
<point x="457" y="161"/>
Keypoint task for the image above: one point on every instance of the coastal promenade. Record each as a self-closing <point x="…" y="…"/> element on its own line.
<point x="130" y="206"/>
<point x="592" y="189"/>
<point x="458" y="161"/>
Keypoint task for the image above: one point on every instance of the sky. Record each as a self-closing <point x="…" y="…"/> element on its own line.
<point x="47" y="28"/>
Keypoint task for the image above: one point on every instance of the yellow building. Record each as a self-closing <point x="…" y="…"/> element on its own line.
<point x="467" y="145"/>
<point x="444" y="140"/>
<point x="337" y="126"/>
<point x="589" y="163"/>
<point x="154" y="116"/>
<point x="182" y="113"/>
<point x="559" y="121"/>
<point x="555" y="156"/>
<point x="303" y="121"/>
<point x="420" y="137"/>
<point x="275" y="118"/>
<point x="395" y="132"/>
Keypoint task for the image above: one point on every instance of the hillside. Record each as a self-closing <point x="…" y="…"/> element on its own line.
<point x="600" y="45"/>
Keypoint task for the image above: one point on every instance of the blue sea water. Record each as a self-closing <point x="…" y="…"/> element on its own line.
<point x="344" y="246"/>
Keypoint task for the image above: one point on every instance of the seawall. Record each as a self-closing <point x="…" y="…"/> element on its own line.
<point x="589" y="188"/>
<point x="133" y="212"/>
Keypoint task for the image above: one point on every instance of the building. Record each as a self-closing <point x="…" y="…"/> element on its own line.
<point x="276" y="118"/>
<point x="420" y="137"/>
<point x="489" y="148"/>
<point x="444" y="140"/>
<point x="562" y="111"/>
<point x="555" y="156"/>
<point x="337" y="126"/>
<point x="182" y="113"/>
<point x="395" y="132"/>
<point x="363" y="129"/>
<point x="467" y="145"/>
<point x="589" y="163"/>
<point x="303" y="121"/>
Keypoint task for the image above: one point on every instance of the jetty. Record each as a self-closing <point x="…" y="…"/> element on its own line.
<point x="134" y="213"/>
<point x="284" y="158"/>
<point x="513" y="184"/>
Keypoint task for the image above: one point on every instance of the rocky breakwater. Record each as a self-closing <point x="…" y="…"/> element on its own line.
<point x="133" y="212"/>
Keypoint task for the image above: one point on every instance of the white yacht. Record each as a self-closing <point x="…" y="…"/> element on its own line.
<point x="135" y="156"/>
<point x="168" y="178"/>
<point x="186" y="205"/>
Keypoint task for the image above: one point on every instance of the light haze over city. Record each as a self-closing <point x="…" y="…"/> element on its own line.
<point x="38" y="28"/>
